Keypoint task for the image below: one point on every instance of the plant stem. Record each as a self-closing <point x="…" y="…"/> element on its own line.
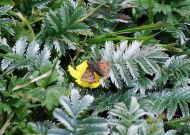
<point x="33" y="80"/>
<point x="78" y="52"/>
<point x="11" y="56"/>
<point x="90" y="13"/>
<point x="25" y="21"/>
<point x="27" y="97"/>
<point x="178" y="120"/>
<point x="4" y="73"/>
<point x="7" y="123"/>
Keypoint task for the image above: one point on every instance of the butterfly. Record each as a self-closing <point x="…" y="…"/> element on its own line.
<point x="101" y="68"/>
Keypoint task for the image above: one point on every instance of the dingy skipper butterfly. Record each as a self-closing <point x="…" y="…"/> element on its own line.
<point x="102" y="68"/>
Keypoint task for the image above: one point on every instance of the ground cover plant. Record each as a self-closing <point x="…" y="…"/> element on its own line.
<point x="94" y="67"/>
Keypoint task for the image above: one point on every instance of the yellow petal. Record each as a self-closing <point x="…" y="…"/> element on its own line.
<point x="83" y="84"/>
<point x="73" y="72"/>
<point x="77" y="74"/>
<point x="82" y="67"/>
<point x="86" y="84"/>
<point x="97" y="76"/>
<point x="94" y="85"/>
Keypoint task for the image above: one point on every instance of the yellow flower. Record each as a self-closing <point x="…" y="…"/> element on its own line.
<point x="77" y="74"/>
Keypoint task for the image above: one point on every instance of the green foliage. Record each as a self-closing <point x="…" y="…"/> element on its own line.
<point x="175" y="70"/>
<point x="172" y="11"/>
<point x="129" y="63"/>
<point x="60" y="29"/>
<point x="12" y="104"/>
<point x="6" y="21"/>
<point x="145" y="41"/>
<point x="41" y="128"/>
<point x="169" y="10"/>
<point x="169" y="100"/>
<point x="123" y="118"/>
<point x="28" y="56"/>
<point x="7" y="2"/>
<point x="108" y="14"/>
<point x="24" y="55"/>
<point x="72" y="120"/>
<point x="107" y="100"/>
<point x="126" y="117"/>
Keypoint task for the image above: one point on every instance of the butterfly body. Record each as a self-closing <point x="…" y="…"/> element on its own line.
<point x="101" y="68"/>
<point x="94" y="68"/>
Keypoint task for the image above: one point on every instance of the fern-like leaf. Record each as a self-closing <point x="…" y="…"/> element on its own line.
<point x="126" y="115"/>
<point x="4" y="22"/>
<point x="61" y="28"/>
<point x="25" y="55"/>
<point x="176" y="70"/>
<point x="168" y="99"/>
<point x="63" y="118"/>
<point x="106" y="101"/>
<point x="127" y="121"/>
<point x="74" y="107"/>
<point x="130" y="62"/>
<point x="41" y="128"/>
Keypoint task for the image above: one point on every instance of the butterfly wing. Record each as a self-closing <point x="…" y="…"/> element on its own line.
<point x="88" y="76"/>
<point x="104" y="67"/>
<point x="93" y="67"/>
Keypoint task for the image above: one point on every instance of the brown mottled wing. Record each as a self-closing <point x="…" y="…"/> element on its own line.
<point x="104" y="67"/>
<point x="88" y="76"/>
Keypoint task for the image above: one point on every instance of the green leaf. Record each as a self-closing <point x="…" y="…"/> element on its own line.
<point x="41" y="128"/>
<point x="84" y="103"/>
<point x="130" y="63"/>
<point x="77" y="14"/>
<point x="58" y="132"/>
<point x="4" y="25"/>
<point x="52" y="95"/>
<point x="7" y="2"/>
<point x="133" y="130"/>
<point x="20" y="46"/>
<point x="184" y="108"/>
<point x="134" y="71"/>
<point x="43" y="57"/>
<point x="3" y="84"/>
<point x="4" y="9"/>
<point x="115" y="77"/>
<point x="67" y="105"/>
<point x="75" y="101"/>
<point x="134" y="106"/>
<point x="162" y="105"/>
<point x="122" y="117"/>
<point x="48" y="80"/>
<point x="60" y="115"/>
<point x="5" y="108"/>
<point x="144" y="65"/>
<point x="114" y="36"/>
<point x="65" y="16"/>
<point x="32" y="50"/>
<point x="37" y="93"/>
<point x="164" y="8"/>
<point x="96" y="122"/>
<point x="64" y="27"/>
<point x="22" y="57"/>
<point x="169" y="100"/>
<point x="54" y="21"/>
<point x="94" y="130"/>
<point x="73" y="122"/>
